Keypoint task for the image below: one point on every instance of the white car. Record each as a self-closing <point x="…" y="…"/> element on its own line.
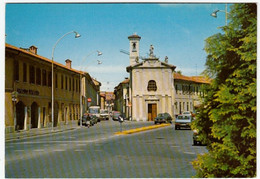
<point x="183" y="121"/>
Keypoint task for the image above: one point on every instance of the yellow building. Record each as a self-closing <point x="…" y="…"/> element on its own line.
<point x="28" y="81"/>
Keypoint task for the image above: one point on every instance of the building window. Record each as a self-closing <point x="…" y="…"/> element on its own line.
<point x="76" y="85"/>
<point x="69" y="84"/>
<point x="16" y="70"/>
<point x="152" y="86"/>
<point x="66" y="83"/>
<point x="61" y="82"/>
<point x="56" y="80"/>
<point x="49" y="79"/>
<point x="32" y="74"/>
<point x="24" y="72"/>
<point x="44" y="79"/>
<point x="73" y="85"/>
<point x="38" y="76"/>
<point x="176" y="88"/>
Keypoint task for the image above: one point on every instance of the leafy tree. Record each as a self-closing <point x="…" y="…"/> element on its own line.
<point x="227" y="119"/>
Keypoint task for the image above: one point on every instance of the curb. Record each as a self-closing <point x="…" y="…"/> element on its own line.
<point x="131" y="131"/>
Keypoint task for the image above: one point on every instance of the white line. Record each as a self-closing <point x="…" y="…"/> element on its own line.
<point x="189" y="153"/>
<point x="18" y="150"/>
<point x="39" y="150"/>
<point x="79" y="150"/>
<point x="59" y="150"/>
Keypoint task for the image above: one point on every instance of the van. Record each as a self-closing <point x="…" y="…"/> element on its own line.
<point x="95" y="111"/>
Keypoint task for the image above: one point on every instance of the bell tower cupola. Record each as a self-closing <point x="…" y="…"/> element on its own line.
<point x="134" y="48"/>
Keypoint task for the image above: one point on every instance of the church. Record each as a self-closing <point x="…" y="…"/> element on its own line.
<point x="151" y="87"/>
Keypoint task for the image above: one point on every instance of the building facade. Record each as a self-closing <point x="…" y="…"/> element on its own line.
<point x="28" y="90"/>
<point x="154" y="87"/>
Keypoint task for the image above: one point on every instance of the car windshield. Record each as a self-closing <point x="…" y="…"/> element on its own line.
<point x="93" y="110"/>
<point x="160" y="115"/>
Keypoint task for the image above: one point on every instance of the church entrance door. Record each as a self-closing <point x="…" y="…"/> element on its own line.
<point x="152" y="111"/>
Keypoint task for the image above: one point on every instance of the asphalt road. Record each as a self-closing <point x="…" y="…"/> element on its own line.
<point x="97" y="152"/>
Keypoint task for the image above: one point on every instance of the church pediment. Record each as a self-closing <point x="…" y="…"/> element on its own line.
<point x="151" y="63"/>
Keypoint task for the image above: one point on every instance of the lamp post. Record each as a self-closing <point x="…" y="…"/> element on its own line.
<point x="214" y="13"/>
<point x="77" y="35"/>
<point x="81" y="90"/>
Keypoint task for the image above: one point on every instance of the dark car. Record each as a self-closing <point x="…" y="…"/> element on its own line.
<point x="163" y="118"/>
<point x="195" y="137"/>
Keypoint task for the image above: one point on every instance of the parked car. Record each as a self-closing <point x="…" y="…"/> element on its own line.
<point x="183" y="121"/>
<point x="115" y="115"/>
<point x="104" y="115"/>
<point x="163" y="118"/>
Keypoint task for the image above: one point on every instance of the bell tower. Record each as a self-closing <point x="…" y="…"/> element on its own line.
<point x="134" y="48"/>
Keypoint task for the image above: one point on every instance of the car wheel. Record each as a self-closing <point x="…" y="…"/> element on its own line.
<point x="195" y="142"/>
<point x="176" y="128"/>
<point x="155" y="122"/>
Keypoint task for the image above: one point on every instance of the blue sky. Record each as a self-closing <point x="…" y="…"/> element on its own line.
<point x="175" y="30"/>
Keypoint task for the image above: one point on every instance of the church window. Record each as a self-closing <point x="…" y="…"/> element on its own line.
<point x="134" y="47"/>
<point x="152" y="86"/>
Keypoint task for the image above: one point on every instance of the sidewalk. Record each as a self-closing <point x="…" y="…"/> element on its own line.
<point x="37" y="132"/>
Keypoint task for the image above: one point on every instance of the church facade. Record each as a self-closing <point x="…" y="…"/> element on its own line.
<point x="151" y="87"/>
<point x="151" y="84"/>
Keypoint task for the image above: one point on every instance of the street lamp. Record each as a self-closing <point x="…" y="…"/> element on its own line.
<point x="77" y="35"/>
<point x="81" y="93"/>
<point x="214" y="13"/>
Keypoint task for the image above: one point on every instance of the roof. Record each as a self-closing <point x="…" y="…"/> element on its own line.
<point x="40" y="57"/>
<point x="196" y="79"/>
<point x="97" y="83"/>
<point x="125" y="81"/>
<point x="134" y="36"/>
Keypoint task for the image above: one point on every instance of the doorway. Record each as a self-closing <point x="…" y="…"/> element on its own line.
<point x="34" y="115"/>
<point x="152" y="111"/>
<point x="20" y="115"/>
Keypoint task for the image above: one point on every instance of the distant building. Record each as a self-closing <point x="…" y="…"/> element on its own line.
<point x="107" y="100"/>
<point x="154" y="87"/>
<point x="122" y="102"/>
<point x="28" y="90"/>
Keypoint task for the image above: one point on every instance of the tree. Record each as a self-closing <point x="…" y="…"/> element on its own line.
<point x="227" y="119"/>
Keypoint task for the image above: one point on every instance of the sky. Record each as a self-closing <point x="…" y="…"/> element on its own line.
<point x="175" y="30"/>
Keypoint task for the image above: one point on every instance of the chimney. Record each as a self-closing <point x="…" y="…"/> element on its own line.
<point x="33" y="49"/>
<point x="68" y="63"/>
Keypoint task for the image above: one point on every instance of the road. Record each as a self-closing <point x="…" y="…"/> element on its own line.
<point x="97" y="152"/>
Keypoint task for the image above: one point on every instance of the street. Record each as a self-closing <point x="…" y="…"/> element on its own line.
<point x="98" y="152"/>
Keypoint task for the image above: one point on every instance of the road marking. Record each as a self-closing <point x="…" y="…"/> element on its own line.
<point x="189" y="153"/>
<point x="59" y="150"/>
<point x="18" y="150"/>
<point x="175" y="146"/>
<point x="38" y="150"/>
<point x="81" y="144"/>
<point x="79" y="150"/>
<point x="64" y="144"/>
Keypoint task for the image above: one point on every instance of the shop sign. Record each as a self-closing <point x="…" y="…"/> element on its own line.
<point x="25" y="91"/>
